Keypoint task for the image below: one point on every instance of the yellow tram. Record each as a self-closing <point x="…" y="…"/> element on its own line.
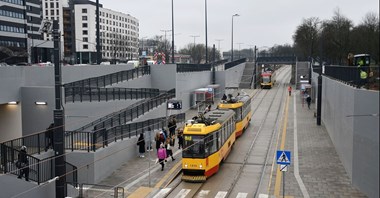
<point x="207" y="142"/>
<point x="268" y="79"/>
<point x="241" y="104"/>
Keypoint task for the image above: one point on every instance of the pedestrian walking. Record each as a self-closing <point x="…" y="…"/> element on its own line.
<point x="208" y="108"/>
<point x="149" y="142"/>
<point x="141" y="144"/>
<point x="23" y="164"/>
<point x="224" y="97"/>
<point x="308" y="100"/>
<point x="49" y="135"/>
<point x="168" y="147"/>
<point x="172" y="125"/>
<point x="180" y="139"/>
<point x="290" y="90"/>
<point x="161" y="155"/>
<point x="157" y="140"/>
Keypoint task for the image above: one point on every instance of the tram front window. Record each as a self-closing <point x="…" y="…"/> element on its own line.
<point x="193" y="146"/>
<point x="266" y="79"/>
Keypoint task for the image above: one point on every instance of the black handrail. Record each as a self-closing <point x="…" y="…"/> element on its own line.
<point x="351" y="74"/>
<point x="181" y="68"/>
<point x="109" y="79"/>
<point x="93" y="140"/>
<point x="40" y="170"/>
<point x="234" y="63"/>
<point x="129" y="113"/>
<point x="81" y="94"/>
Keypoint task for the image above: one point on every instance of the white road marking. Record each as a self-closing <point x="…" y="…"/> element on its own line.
<point x="263" y="196"/>
<point x="183" y="193"/>
<point x="296" y="167"/>
<point x="221" y="194"/>
<point x="202" y="194"/>
<point x="242" y="195"/>
<point x="162" y="193"/>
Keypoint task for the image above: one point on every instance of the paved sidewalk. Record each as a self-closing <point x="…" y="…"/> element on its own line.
<point x="320" y="169"/>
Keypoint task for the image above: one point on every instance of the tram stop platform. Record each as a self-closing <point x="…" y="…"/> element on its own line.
<point x="323" y="175"/>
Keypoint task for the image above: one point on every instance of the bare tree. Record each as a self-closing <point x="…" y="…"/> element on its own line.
<point x="306" y="37"/>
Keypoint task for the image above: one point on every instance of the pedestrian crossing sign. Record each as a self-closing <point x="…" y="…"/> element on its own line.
<point x="283" y="157"/>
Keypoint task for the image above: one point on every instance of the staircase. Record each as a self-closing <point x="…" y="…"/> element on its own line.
<point x="246" y="79"/>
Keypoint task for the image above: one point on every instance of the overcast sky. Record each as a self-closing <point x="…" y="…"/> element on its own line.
<point x="261" y="22"/>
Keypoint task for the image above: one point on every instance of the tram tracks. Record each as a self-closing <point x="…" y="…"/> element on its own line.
<point x="179" y="187"/>
<point x="281" y="90"/>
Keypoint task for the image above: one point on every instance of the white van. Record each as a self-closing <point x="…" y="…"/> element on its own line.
<point x="135" y="63"/>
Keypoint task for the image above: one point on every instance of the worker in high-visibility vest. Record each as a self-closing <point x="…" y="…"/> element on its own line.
<point x="362" y="73"/>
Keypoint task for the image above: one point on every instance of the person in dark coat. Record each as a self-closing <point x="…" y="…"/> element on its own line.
<point x="180" y="139"/>
<point x="224" y="97"/>
<point x="172" y="125"/>
<point x="308" y="100"/>
<point x="23" y="164"/>
<point x="49" y="137"/>
<point x="141" y="144"/>
<point x="158" y="142"/>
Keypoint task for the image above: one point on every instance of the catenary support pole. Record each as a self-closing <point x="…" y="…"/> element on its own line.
<point x="60" y="167"/>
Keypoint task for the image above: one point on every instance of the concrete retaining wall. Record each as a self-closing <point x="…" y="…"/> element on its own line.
<point x="347" y="114"/>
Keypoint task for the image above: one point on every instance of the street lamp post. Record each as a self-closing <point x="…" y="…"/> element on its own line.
<point x="165" y="41"/>
<point x="219" y="43"/>
<point x="142" y="44"/>
<point x="172" y="33"/>
<point x="206" y="30"/>
<point x="194" y="38"/>
<point x="232" y="37"/>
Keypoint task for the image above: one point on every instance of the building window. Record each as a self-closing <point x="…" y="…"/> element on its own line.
<point x="57" y="12"/>
<point x="85" y="32"/>
<point x="85" y="46"/>
<point x="84" y="10"/>
<point x="84" y="18"/>
<point x="51" y="12"/>
<point x="57" y="5"/>
<point x="85" y="39"/>
<point x="52" y="5"/>
<point x="84" y="25"/>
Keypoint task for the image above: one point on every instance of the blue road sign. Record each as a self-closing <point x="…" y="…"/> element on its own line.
<point x="283" y="157"/>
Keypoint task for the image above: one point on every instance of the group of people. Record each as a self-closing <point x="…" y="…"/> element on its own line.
<point x="164" y="142"/>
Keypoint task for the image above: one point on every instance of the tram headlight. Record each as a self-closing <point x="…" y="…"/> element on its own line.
<point x="200" y="166"/>
<point x="185" y="165"/>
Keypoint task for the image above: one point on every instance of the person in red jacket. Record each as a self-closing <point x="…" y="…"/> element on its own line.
<point x="290" y="90"/>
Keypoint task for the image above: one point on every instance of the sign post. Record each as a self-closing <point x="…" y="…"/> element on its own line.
<point x="283" y="159"/>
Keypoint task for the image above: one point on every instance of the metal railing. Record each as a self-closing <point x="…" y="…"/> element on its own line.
<point x="234" y="63"/>
<point x="35" y="143"/>
<point x="129" y="113"/>
<point x="81" y="94"/>
<point x="110" y="79"/>
<point x="351" y="75"/>
<point x="181" y="68"/>
<point x="95" y="190"/>
<point x="93" y="140"/>
<point x="40" y="170"/>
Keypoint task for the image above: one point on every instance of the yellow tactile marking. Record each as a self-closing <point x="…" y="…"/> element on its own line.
<point x="141" y="192"/>
<point x="159" y="184"/>
<point x="277" y="186"/>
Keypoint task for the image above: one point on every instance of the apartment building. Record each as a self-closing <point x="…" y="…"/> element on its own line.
<point x="20" y="40"/>
<point x="119" y="33"/>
